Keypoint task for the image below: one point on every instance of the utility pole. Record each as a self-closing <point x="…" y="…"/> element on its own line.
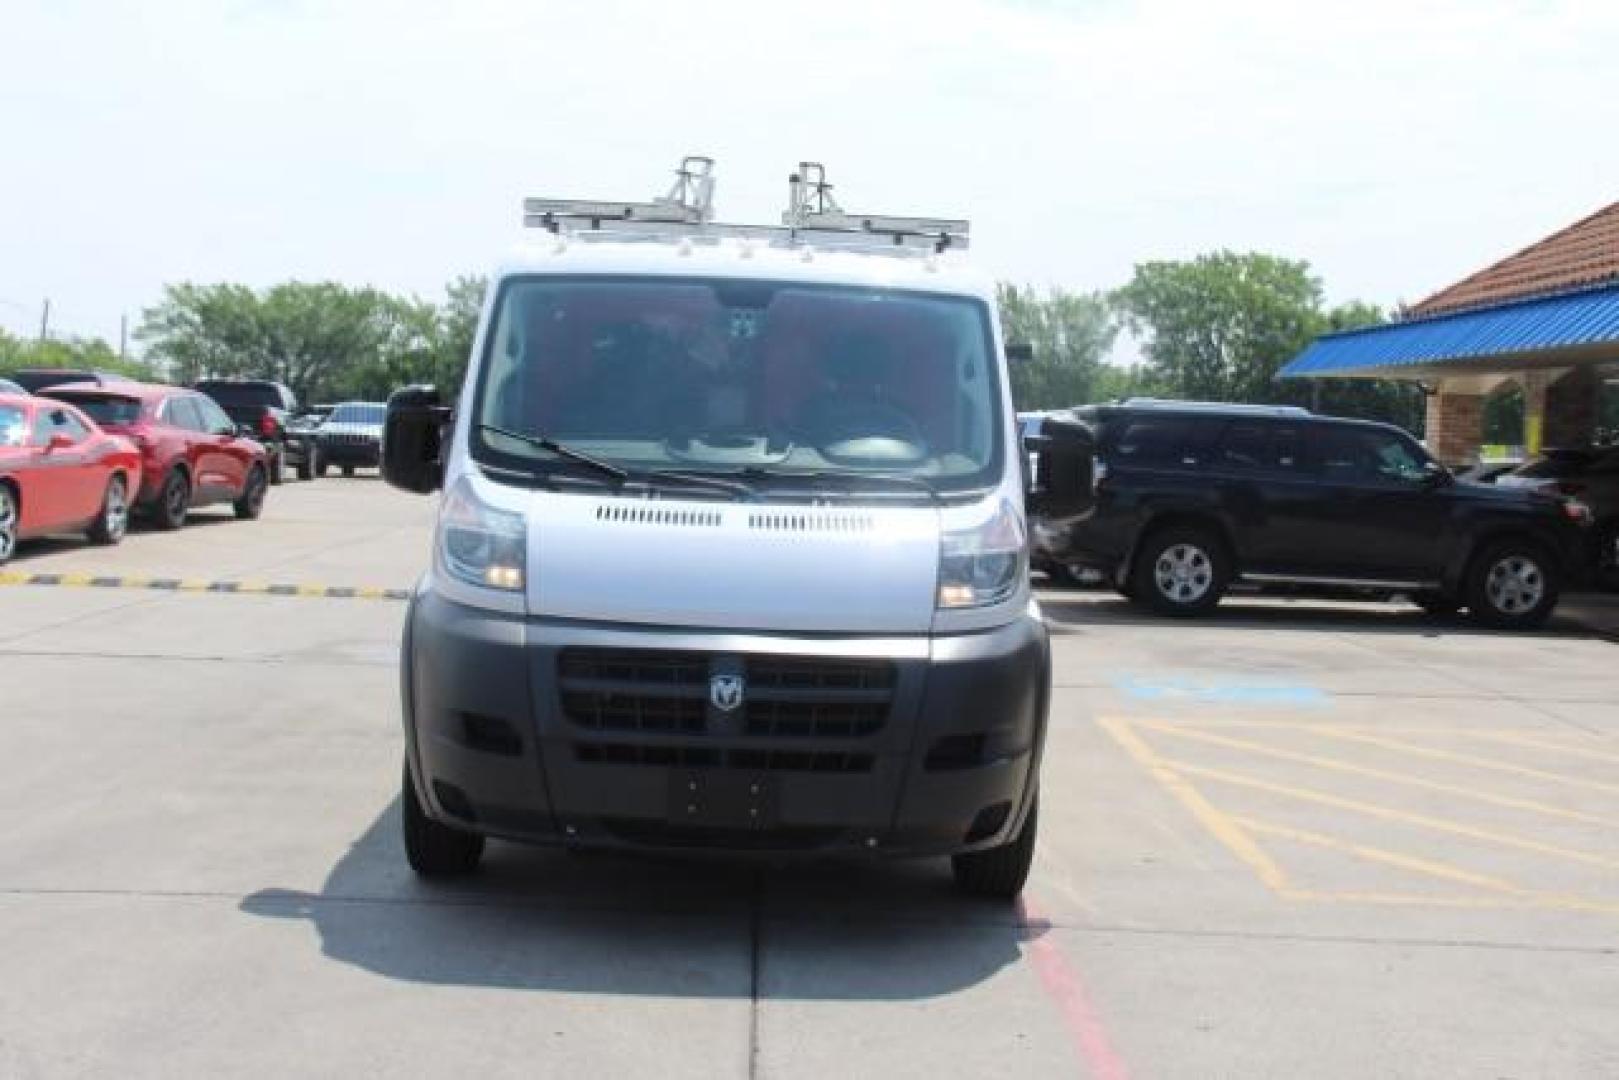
<point x="45" y="321"/>
<point x="123" y="336"/>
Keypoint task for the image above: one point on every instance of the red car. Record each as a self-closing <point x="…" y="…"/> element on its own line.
<point x="61" y="473"/>
<point x="192" y="454"/>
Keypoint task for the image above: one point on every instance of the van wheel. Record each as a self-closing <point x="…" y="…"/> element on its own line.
<point x="278" y="467"/>
<point x="320" y="467"/>
<point x="173" y="502"/>
<point x="306" y="467"/>
<point x="1512" y="586"/>
<point x="112" y="523"/>
<point x="251" y="504"/>
<point x="1181" y="570"/>
<point x="435" y="850"/>
<point x="998" y="873"/>
<point x="348" y="470"/>
<point x="1608" y="556"/>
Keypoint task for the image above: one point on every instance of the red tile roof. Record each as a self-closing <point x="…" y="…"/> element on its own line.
<point x="1584" y="254"/>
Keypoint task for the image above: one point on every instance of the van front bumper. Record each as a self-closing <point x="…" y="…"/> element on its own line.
<point x="557" y="732"/>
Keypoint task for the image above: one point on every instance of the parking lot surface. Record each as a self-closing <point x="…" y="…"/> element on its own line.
<point x="1295" y="839"/>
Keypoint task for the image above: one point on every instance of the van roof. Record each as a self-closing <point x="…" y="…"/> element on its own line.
<point x="608" y="254"/>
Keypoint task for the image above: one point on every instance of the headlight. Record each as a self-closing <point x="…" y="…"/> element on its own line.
<point x="985" y="564"/>
<point x="480" y="544"/>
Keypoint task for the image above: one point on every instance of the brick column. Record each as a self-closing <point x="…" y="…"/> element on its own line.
<point x="1455" y="426"/>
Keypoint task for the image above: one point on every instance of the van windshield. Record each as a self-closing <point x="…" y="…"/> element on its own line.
<point x="740" y="377"/>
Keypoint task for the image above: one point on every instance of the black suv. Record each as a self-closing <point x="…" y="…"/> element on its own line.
<point x="1175" y="501"/>
<point x="266" y="409"/>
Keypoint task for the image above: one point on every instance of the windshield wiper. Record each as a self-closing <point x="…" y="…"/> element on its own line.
<point x="652" y="478"/>
<point x="561" y="450"/>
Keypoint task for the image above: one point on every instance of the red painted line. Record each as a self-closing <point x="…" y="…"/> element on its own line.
<point x="1067" y="991"/>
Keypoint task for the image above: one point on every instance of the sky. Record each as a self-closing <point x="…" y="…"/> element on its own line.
<point x="1395" y="146"/>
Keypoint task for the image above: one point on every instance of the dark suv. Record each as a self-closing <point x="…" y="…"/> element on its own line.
<point x="266" y="409"/>
<point x="1175" y="501"/>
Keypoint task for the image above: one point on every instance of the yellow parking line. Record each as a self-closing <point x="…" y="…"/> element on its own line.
<point x="1387" y="813"/>
<point x="1527" y="739"/>
<point x="1228" y="832"/>
<point x="1426" y="867"/>
<point x="1334" y="765"/>
<point x="1462" y="759"/>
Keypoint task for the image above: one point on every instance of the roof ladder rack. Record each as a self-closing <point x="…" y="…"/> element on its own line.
<point x="812" y="208"/>
<point x="689" y="202"/>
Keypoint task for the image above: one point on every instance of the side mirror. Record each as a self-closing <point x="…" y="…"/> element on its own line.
<point x="1020" y="353"/>
<point x="1065" y="470"/>
<point x="59" y="442"/>
<point x="1435" y="475"/>
<point x="413" y="439"/>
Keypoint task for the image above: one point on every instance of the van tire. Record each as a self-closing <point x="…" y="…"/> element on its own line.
<point x="1512" y="585"/>
<point x="1181" y="570"/>
<point x="435" y="850"/>
<point x="998" y="873"/>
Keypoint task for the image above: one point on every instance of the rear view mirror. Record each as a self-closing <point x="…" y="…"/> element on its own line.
<point x="1065" y="456"/>
<point x="413" y="439"/>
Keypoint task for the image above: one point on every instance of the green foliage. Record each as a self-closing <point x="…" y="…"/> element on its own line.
<point x="324" y="340"/>
<point x="16" y="353"/>
<point x="1219" y="328"/>
<point x="1071" y="334"/>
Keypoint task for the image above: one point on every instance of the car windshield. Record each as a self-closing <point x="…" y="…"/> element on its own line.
<point x="741" y="376"/>
<point x="13" y="426"/>
<point x="359" y="414"/>
<point x="106" y="411"/>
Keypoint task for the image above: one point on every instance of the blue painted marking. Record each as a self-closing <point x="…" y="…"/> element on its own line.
<point x="1222" y="691"/>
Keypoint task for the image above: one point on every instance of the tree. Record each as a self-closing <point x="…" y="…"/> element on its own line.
<point x="74" y="352"/>
<point x="1071" y="334"/>
<point x="310" y="336"/>
<point x="1219" y="327"/>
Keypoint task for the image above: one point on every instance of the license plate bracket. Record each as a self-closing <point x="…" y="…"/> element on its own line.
<point x="721" y="799"/>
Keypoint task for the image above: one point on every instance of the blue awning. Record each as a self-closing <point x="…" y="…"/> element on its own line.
<point x="1546" y="325"/>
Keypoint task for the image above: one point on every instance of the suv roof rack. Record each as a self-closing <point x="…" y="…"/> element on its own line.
<point x="1215" y="406"/>
<point x="687" y="212"/>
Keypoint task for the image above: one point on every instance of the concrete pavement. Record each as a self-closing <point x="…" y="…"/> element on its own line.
<point x="1294" y="839"/>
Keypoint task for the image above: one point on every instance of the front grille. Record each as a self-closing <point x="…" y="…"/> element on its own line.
<point x="712" y="757"/>
<point x="667" y="692"/>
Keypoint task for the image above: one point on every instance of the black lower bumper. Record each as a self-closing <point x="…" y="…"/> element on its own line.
<point x="364" y="455"/>
<point x="951" y="767"/>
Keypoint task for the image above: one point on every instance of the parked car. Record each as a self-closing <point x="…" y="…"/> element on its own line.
<point x="266" y="409"/>
<point x="351" y="437"/>
<point x="9" y="387"/>
<point x="34" y="380"/>
<point x="192" y="454"/>
<point x="1487" y="472"/>
<point x="60" y="473"/>
<point x="1590" y="475"/>
<point x="1177" y="501"/>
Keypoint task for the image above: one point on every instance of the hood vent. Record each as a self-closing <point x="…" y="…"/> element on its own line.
<point x="657" y="515"/>
<point x="814" y="521"/>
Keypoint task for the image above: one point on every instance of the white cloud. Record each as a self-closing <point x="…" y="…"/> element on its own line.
<point x="1396" y="146"/>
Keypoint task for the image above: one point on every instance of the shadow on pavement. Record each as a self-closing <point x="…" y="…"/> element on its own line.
<point x="1073" y="611"/>
<point x="543" y="919"/>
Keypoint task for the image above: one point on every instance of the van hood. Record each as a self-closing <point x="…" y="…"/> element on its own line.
<point x="750" y="566"/>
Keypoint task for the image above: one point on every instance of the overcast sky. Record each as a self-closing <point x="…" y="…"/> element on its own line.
<point x="1396" y="146"/>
